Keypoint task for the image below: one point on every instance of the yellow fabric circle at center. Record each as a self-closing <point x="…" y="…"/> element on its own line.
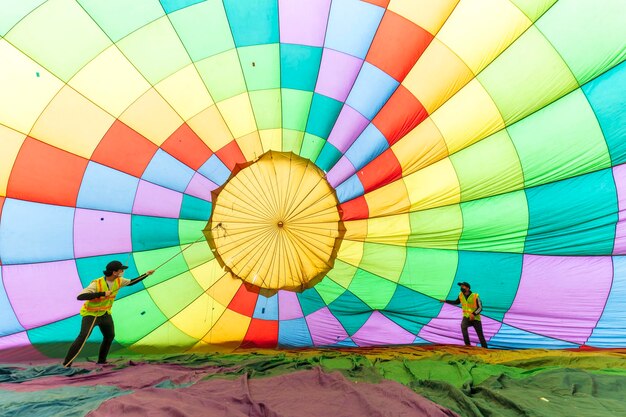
<point x="276" y="223"/>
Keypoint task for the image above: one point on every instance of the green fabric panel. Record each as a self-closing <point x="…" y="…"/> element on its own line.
<point x="12" y="15"/>
<point x="46" y="338"/>
<point x="155" y="50"/>
<point x="488" y="167"/>
<point x="351" y="312"/>
<point x="310" y="301"/>
<point x="197" y="254"/>
<point x="155" y="258"/>
<point x="59" y="36"/>
<point x="153" y="232"/>
<point x="295" y="108"/>
<point x="299" y="66"/>
<point x="167" y="338"/>
<point x="495" y="276"/>
<point x="552" y="145"/>
<point x="342" y="273"/>
<point x="292" y="140"/>
<point x="328" y="157"/>
<point x="175" y="294"/>
<point x="533" y="8"/>
<point x="329" y="290"/>
<point x="411" y="310"/>
<point x="190" y="231"/>
<point x="495" y="224"/>
<point x="222" y="75"/>
<point x="266" y="106"/>
<point x="526" y="76"/>
<point x="138" y="316"/>
<point x="118" y="18"/>
<point x="261" y="66"/>
<point x="311" y="146"/>
<point x="253" y="22"/>
<point x="324" y="113"/>
<point x="93" y="267"/>
<point x="385" y="261"/>
<point x="429" y="271"/>
<point x="589" y="36"/>
<point x="573" y="217"/>
<point x="57" y="402"/>
<point x="203" y="29"/>
<point x="194" y="208"/>
<point x="371" y="289"/>
<point x="438" y="228"/>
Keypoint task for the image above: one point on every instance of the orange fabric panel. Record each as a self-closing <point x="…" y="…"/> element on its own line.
<point x="381" y="3"/>
<point x="354" y="209"/>
<point x="244" y="301"/>
<point x="125" y="150"/>
<point x="397" y="46"/>
<point x="187" y="147"/>
<point x="261" y="334"/>
<point x="382" y="170"/>
<point x="399" y="115"/>
<point x="231" y="155"/>
<point x="45" y="174"/>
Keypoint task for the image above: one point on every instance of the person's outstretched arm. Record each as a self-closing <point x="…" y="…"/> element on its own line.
<point x="453" y="302"/>
<point x="140" y="278"/>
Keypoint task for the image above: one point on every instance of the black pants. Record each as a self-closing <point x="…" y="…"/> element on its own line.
<point x="478" y="326"/>
<point x="105" y="322"/>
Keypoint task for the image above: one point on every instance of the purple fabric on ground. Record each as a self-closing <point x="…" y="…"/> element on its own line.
<point x="306" y="393"/>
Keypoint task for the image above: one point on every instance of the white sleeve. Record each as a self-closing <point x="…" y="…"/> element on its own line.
<point x="91" y="288"/>
<point x="124" y="282"/>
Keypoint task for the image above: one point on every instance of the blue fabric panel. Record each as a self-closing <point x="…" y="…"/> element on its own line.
<point x="294" y="333"/>
<point x="266" y="308"/>
<point x="370" y="144"/>
<point x="610" y="332"/>
<point x="9" y="323"/>
<point x="350" y="189"/>
<point x="167" y="171"/>
<point x="371" y="90"/>
<point x="352" y="25"/>
<point x="34" y="232"/>
<point x="513" y="338"/>
<point x="172" y="5"/>
<point x="215" y="170"/>
<point x="104" y="188"/>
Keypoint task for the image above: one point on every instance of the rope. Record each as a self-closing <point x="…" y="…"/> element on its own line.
<point x="93" y="323"/>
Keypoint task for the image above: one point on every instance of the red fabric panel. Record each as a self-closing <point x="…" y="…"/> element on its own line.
<point x="45" y="174"/>
<point x="231" y="155"/>
<point x="125" y="150"/>
<point x="382" y="170"/>
<point x="261" y="334"/>
<point x="244" y="301"/>
<point x="354" y="209"/>
<point x="187" y="147"/>
<point x="397" y="46"/>
<point x="399" y="115"/>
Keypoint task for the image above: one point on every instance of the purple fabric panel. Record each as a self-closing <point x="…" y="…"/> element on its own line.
<point x="100" y="233"/>
<point x="555" y="299"/>
<point x="154" y="200"/>
<point x="42" y="293"/>
<point x="337" y="74"/>
<point x="446" y="327"/>
<point x="348" y="127"/>
<point x="201" y="187"/>
<point x="325" y="328"/>
<point x="288" y="306"/>
<point x="303" y="22"/>
<point x="310" y="393"/>
<point x="379" y="330"/>
<point x="619" y="174"/>
<point x="340" y="172"/>
<point x="17" y="347"/>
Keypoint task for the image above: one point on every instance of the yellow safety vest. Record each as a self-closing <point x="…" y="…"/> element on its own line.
<point x="469" y="304"/>
<point x="102" y="305"/>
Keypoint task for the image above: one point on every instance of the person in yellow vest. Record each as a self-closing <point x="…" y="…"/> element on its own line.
<point x="96" y="311"/>
<point x="472" y="307"/>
